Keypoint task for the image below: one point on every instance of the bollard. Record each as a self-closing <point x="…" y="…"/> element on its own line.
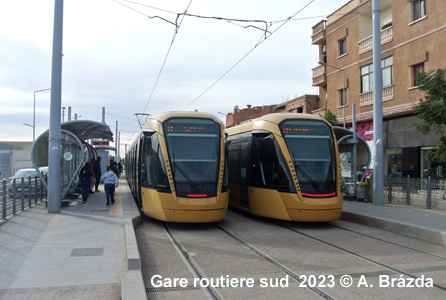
<point x="429" y="193"/>
<point x="14" y="195"/>
<point x="408" y="190"/>
<point x="29" y="192"/>
<point x="22" y="193"/>
<point x="35" y="191"/>
<point x="4" y="199"/>
<point x="41" y="191"/>
<point x="390" y="189"/>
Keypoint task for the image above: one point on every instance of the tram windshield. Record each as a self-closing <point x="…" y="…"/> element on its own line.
<point x="310" y="145"/>
<point x="194" y="147"/>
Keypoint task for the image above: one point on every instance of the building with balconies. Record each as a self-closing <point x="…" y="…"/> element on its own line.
<point x="413" y="39"/>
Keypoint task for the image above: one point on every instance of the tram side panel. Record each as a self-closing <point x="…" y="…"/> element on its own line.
<point x="163" y="195"/>
<point x="255" y="182"/>
<point x="261" y="182"/>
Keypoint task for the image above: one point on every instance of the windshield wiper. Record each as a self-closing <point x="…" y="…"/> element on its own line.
<point x="176" y="166"/>
<point x="297" y="167"/>
<point x="191" y="183"/>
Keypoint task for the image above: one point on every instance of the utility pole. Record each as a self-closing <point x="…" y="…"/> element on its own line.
<point x="54" y="144"/>
<point x="378" y="170"/>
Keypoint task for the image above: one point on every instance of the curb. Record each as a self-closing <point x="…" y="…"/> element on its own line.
<point x="132" y="285"/>
<point x="417" y="232"/>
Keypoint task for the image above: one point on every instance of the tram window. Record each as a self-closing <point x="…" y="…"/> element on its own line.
<point x="274" y="172"/>
<point x="226" y="176"/>
<point x="234" y="167"/>
<point x="194" y="149"/>
<point x="152" y="165"/>
<point x="310" y="145"/>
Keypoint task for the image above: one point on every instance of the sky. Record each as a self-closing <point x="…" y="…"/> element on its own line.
<point x="125" y="56"/>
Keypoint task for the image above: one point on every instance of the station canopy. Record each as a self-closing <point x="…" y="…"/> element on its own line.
<point x="86" y="130"/>
<point x="75" y="150"/>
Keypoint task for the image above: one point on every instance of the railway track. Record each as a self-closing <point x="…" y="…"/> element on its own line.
<point x="389" y="242"/>
<point x="373" y="261"/>
<point x="201" y="257"/>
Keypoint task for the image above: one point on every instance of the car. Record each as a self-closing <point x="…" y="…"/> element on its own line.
<point x="44" y="170"/>
<point x="26" y="174"/>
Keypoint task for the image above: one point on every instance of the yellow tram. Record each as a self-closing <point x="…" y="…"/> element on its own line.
<point x="176" y="168"/>
<point x="285" y="166"/>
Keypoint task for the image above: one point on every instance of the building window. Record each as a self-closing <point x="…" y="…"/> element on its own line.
<point x="367" y="75"/>
<point x="341" y="97"/>
<point x="342" y="43"/>
<point x="417" y="69"/>
<point x="387" y="71"/>
<point x="367" y="78"/>
<point x="418" y="9"/>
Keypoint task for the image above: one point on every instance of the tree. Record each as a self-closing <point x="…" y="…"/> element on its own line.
<point x="330" y="117"/>
<point x="432" y="110"/>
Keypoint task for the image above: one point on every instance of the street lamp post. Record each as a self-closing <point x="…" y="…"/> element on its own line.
<point x="343" y="82"/>
<point x="34" y="113"/>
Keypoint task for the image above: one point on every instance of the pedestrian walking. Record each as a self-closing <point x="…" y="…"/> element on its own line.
<point x="93" y="177"/>
<point x="119" y="168"/>
<point x="85" y="177"/>
<point x="111" y="182"/>
<point x="426" y="177"/>
<point x="97" y="172"/>
<point x="114" y="167"/>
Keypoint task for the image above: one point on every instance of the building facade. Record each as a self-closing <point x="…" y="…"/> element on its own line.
<point x="413" y="39"/>
<point x="302" y="104"/>
<point x="14" y="156"/>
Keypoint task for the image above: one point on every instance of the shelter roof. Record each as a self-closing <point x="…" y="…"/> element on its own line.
<point x="105" y="148"/>
<point x="86" y="130"/>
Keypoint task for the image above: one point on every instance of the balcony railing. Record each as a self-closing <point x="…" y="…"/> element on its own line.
<point x="318" y="71"/>
<point x="367" y="43"/>
<point x="319" y="26"/>
<point x="367" y="97"/>
<point x="319" y="33"/>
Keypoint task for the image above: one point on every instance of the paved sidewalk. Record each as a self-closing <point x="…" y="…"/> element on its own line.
<point x="90" y="252"/>
<point x="417" y="222"/>
<point x="80" y="253"/>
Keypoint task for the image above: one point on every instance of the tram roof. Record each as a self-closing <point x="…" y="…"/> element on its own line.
<point x="161" y="117"/>
<point x="85" y="129"/>
<point x="266" y="122"/>
<point x="279" y="117"/>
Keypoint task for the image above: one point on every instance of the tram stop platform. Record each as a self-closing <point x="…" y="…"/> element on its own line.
<point x="413" y="221"/>
<point x="84" y="252"/>
<point x="90" y="252"/>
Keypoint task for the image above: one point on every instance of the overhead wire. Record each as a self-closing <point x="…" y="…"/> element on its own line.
<point x="265" y="35"/>
<point x="249" y="52"/>
<point x="119" y="116"/>
<point x="177" y="27"/>
<point x="156" y="8"/>
<point x="150" y="17"/>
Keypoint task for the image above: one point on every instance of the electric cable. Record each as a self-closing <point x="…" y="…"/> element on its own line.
<point x="249" y="52"/>
<point x="177" y="27"/>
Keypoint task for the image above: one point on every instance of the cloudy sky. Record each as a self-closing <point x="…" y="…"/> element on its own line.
<point x="114" y="52"/>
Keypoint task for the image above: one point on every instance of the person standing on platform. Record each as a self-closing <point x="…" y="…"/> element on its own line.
<point x="97" y="172"/>
<point x="114" y="167"/>
<point x="85" y="177"/>
<point x="110" y="183"/>
<point x="93" y="177"/>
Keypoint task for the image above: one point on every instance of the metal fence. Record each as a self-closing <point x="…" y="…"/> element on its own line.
<point x="19" y="194"/>
<point x="417" y="191"/>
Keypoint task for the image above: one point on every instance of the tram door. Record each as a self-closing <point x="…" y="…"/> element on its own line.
<point x="244" y="173"/>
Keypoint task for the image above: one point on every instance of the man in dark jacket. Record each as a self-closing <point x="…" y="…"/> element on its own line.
<point x="97" y="172"/>
<point x="85" y="177"/>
